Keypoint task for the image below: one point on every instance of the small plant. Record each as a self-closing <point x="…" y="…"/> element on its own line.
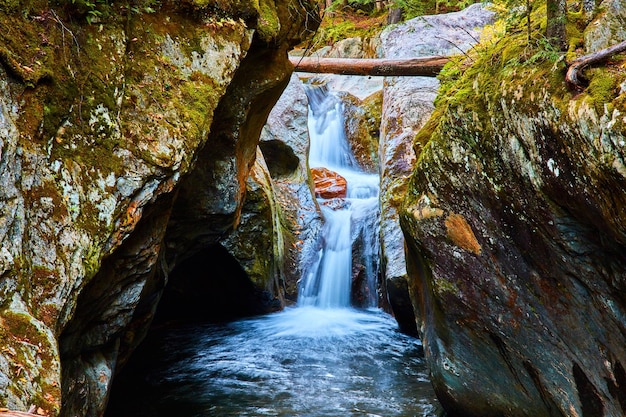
<point x="90" y="8"/>
<point x="546" y="52"/>
<point x="95" y="10"/>
<point x="414" y="8"/>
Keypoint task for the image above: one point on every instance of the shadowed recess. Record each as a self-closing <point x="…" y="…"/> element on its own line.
<point x="210" y="286"/>
<point x="589" y="397"/>
<point x="280" y="158"/>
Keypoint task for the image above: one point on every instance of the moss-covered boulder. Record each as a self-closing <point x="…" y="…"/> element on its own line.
<point x="514" y="221"/>
<point x="116" y="123"/>
<point x="407" y="105"/>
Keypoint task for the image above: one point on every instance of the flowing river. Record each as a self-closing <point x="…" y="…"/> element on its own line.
<point x="319" y="358"/>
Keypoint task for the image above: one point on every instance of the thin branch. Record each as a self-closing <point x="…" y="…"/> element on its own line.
<point x="64" y="28"/>
<point x="453" y="44"/>
<point x="575" y="79"/>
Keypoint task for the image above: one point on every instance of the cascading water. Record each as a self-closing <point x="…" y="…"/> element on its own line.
<point x="328" y="284"/>
<point x="320" y="358"/>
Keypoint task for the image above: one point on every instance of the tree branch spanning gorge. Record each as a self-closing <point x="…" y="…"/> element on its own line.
<point x="432" y="65"/>
<point x="425" y="66"/>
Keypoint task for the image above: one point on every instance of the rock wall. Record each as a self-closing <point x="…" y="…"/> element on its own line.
<point x="126" y="138"/>
<point x="514" y="219"/>
<point x="362" y="119"/>
<point x="407" y="105"/>
<point x="285" y="146"/>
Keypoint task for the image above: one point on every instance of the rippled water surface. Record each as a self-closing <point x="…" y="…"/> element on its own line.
<point x="301" y="362"/>
<point x="319" y="359"/>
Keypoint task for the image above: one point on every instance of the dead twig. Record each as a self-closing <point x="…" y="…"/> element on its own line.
<point x="575" y="79"/>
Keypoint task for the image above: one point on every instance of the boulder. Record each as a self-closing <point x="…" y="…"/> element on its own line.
<point x="607" y="28"/>
<point x="329" y="184"/>
<point x="407" y="105"/>
<point x="516" y="245"/>
<point x="124" y="148"/>
<point x="362" y="126"/>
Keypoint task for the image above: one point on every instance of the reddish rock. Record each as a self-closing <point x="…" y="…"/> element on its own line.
<point x="329" y="184"/>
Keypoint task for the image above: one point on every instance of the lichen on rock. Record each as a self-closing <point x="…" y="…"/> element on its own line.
<point x="515" y="299"/>
<point x="104" y="110"/>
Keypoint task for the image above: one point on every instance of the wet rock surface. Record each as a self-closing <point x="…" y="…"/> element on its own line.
<point x="285" y="147"/>
<point x="362" y="119"/>
<point x="514" y="225"/>
<point x="328" y="184"/>
<point x="109" y="134"/>
<point x="407" y="105"/>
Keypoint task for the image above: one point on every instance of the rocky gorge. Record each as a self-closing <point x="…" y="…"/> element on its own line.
<point x="143" y="146"/>
<point x="128" y="134"/>
<point x="515" y="239"/>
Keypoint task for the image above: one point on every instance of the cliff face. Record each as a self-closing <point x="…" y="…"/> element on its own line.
<point x="125" y="147"/>
<point x="407" y="106"/>
<point x="285" y="147"/>
<point x="516" y="244"/>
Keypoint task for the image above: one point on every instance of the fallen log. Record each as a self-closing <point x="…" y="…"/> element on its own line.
<point x="574" y="77"/>
<point x="425" y="66"/>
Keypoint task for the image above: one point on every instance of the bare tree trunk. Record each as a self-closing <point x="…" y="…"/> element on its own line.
<point x="327" y="6"/>
<point x="427" y="66"/>
<point x="395" y="16"/>
<point x="555" y="29"/>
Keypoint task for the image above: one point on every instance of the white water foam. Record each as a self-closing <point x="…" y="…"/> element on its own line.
<point x="329" y="283"/>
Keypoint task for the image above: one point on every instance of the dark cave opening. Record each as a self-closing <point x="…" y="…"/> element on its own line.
<point x="280" y="158"/>
<point x="210" y="286"/>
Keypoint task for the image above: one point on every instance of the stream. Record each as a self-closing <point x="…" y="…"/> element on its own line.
<point x="305" y="361"/>
<point x="318" y="358"/>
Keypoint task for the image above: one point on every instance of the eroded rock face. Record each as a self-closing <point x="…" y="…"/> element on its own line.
<point x="257" y="242"/>
<point x="608" y="27"/>
<point x="407" y="105"/>
<point x="102" y="127"/>
<point x="285" y="146"/>
<point x="514" y="220"/>
<point x="362" y="120"/>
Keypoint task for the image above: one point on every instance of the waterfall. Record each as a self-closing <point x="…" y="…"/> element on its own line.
<point x="319" y="359"/>
<point x="347" y="221"/>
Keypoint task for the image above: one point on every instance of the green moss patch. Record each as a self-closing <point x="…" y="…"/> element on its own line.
<point x="28" y="348"/>
<point x="603" y="88"/>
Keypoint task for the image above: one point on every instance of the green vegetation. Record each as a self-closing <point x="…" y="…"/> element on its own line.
<point x="524" y="74"/>
<point x="343" y="19"/>
<point x="413" y="8"/>
<point x="95" y="10"/>
<point x="410" y="8"/>
<point x="507" y="64"/>
<point x="342" y="25"/>
<point x="30" y="348"/>
<point x="602" y="89"/>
